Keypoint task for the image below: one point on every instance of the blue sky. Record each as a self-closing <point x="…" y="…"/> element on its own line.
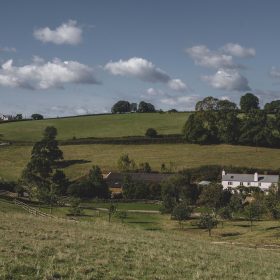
<point x="75" y="57"/>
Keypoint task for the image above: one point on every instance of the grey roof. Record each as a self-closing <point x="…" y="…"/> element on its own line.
<point x="250" y="178"/>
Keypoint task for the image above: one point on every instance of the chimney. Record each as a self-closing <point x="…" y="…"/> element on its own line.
<point x="223" y="172"/>
<point x="256" y="177"/>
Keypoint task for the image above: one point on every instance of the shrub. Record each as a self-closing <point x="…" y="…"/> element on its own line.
<point x="151" y="132"/>
<point x="208" y="222"/>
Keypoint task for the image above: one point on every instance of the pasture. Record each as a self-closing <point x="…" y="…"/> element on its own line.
<point x="93" y="248"/>
<point x="119" y="125"/>
<point x="80" y="158"/>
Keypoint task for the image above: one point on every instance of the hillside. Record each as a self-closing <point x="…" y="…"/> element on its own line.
<point x="80" y="158"/>
<point x="118" y="125"/>
<point x="54" y="249"/>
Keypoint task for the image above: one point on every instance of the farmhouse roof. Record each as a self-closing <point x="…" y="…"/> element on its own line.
<point x="145" y="177"/>
<point x="250" y="178"/>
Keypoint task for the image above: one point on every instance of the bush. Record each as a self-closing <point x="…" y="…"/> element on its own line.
<point x="10" y="186"/>
<point x="207" y="221"/>
<point x="151" y="132"/>
<point x="181" y="212"/>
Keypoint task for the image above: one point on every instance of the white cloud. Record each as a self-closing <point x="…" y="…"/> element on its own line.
<point x="66" y="33"/>
<point x="139" y="68"/>
<point x="222" y="58"/>
<point x="275" y="73"/>
<point x="44" y="75"/>
<point x="181" y="102"/>
<point x="239" y="51"/>
<point x="227" y="79"/>
<point x="155" y="92"/>
<point x="168" y="101"/>
<point x="204" y="57"/>
<point x="144" y="70"/>
<point x="177" y="85"/>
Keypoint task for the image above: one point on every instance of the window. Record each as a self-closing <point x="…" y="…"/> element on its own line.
<point x="241" y="183"/>
<point x="260" y="184"/>
<point x="248" y="184"/>
<point x="229" y="183"/>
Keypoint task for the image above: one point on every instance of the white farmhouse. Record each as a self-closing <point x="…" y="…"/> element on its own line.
<point x="264" y="182"/>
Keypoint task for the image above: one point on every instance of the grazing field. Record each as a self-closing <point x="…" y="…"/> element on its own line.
<point x="43" y="248"/>
<point x="79" y="158"/>
<point x="119" y="125"/>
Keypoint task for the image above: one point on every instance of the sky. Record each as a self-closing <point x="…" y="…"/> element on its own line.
<point x="62" y="58"/>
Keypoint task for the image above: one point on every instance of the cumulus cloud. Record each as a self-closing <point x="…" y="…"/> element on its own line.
<point x="44" y="75"/>
<point x="144" y="70"/>
<point x="238" y="51"/>
<point x="167" y="100"/>
<point x="227" y="79"/>
<point x="222" y="58"/>
<point x="66" y="33"/>
<point x="204" y="57"/>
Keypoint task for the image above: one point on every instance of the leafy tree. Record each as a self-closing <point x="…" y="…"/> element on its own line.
<point x="226" y="105"/>
<point x="126" y="164"/>
<point x="211" y="196"/>
<point x="253" y="212"/>
<point x="145" y="107"/>
<point x="176" y="188"/>
<point x="249" y="102"/>
<point x="75" y="208"/>
<point x="181" y="212"/>
<point x="272" y="201"/>
<point x="37" y="117"/>
<point x="257" y="129"/>
<point x="272" y="107"/>
<point x="111" y="211"/>
<point x="225" y="213"/>
<point x="121" y="107"/>
<point x="236" y="202"/>
<point x="228" y="125"/>
<point x="39" y="174"/>
<point x="151" y="132"/>
<point x="195" y="131"/>
<point x="61" y="182"/>
<point x="145" y="167"/>
<point x="122" y="215"/>
<point x="97" y="183"/>
<point x="208" y="103"/>
<point x="18" y="117"/>
<point x="208" y="222"/>
<point x="92" y="187"/>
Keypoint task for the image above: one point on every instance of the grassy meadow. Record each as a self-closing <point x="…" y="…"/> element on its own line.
<point x="118" y="125"/>
<point x="44" y="248"/>
<point x="80" y="158"/>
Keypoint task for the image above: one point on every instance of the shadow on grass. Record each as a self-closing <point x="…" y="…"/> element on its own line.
<point x="140" y="222"/>
<point x="228" y="234"/>
<point x="271" y="228"/>
<point x="245" y="226"/>
<point x="67" y="163"/>
<point x="153" y="229"/>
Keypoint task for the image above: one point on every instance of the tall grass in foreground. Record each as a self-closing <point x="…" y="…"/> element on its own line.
<point x="38" y="248"/>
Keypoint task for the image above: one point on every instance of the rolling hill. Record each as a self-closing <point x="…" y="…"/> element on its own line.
<point x="119" y="125"/>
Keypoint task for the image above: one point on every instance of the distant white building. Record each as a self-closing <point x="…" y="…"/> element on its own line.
<point x="264" y="182"/>
<point x="6" y="117"/>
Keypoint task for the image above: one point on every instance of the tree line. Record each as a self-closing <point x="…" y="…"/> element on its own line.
<point x="219" y="121"/>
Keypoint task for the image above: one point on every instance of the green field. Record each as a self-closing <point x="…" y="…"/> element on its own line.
<point x="118" y="125"/>
<point x="82" y="157"/>
<point x="139" y="248"/>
